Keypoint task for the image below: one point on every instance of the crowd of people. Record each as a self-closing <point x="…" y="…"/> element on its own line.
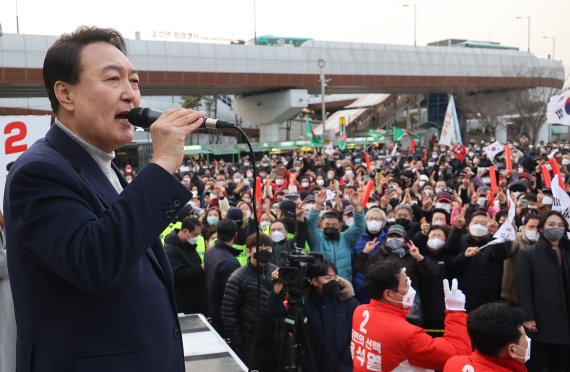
<point x="367" y="260"/>
<point x="432" y="211"/>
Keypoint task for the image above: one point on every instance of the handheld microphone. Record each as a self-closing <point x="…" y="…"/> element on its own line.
<point x="143" y="117"/>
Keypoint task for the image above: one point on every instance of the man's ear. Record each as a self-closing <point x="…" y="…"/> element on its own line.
<point x="386" y="295"/>
<point x="64" y="94"/>
<point x="510" y="351"/>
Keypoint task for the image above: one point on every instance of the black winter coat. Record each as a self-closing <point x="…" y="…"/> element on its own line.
<point x="479" y="276"/>
<point x="239" y="313"/>
<point x="219" y="262"/>
<point x="329" y="325"/>
<point x="543" y="290"/>
<point x="189" y="276"/>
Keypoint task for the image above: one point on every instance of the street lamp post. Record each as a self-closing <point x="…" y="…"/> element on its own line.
<point x="528" y="36"/>
<point x="254" y="25"/>
<point x="17" y="21"/>
<point x="415" y="21"/>
<point x="553" y="43"/>
<point x="323" y="85"/>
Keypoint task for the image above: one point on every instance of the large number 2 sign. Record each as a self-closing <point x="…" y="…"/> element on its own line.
<point x="16" y="132"/>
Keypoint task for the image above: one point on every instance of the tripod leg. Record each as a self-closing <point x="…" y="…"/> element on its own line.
<point x="310" y="347"/>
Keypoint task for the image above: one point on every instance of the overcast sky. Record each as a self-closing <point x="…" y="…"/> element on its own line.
<point x="375" y="21"/>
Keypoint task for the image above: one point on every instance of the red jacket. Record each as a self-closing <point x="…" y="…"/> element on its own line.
<point x="382" y="339"/>
<point x="482" y="363"/>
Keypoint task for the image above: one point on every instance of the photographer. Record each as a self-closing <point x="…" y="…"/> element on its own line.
<point x="328" y="305"/>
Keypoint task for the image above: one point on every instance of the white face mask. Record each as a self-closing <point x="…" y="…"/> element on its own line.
<point x="520" y="169"/>
<point x="320" y="182"/>
<point x="246" y="182"/>
<point x="374" y="226"/>
<point x="565" y="161"/>
<point x="526" y="351"/>
<point x="436" y="243"/>
<point x="305" y="185"/>
<point x="532" y="236"/>
<point x="237" y="180"/>
<point x="349" y="221"/>
<point x="408" y="298"/>
<point x="478" y="231"/>
<point x="279" y="181"/>
<point x="481" y="201"/>
<point x="264" y="224"/>
<point x="547" y="200"/>
<point x="277" y="236"/>
<point x="391" y="219"/>
<point x="438" y="223"/>
<point x="193" y="240"/>
<point x="348" y="172"/>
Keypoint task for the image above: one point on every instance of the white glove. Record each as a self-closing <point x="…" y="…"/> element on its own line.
<point x="454" y="298"/>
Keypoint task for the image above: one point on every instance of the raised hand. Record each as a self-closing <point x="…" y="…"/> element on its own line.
<point x="414" y="251"/>
<point x="459" y="219"/>
<point x="454" y="298"/>
<point x="424" y="226"/>
<point x="370" y="245"/>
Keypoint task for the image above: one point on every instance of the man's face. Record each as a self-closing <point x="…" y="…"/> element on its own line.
<point x="438" y="218"/>
<point x="531" y="225"/>
<point x="107" y="87"/>
<point x="320" y="281"/>
<point x="403" y="213"/>
<point x="331" y="222"/>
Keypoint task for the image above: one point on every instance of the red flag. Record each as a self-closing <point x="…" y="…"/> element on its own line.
<point x="367" y="158"/>
<point x="556" y="171"/>
<point x="258" y="199"/>
<point x="367" y="192"/>
<point x="413" y="147"/>
<point x="546" y="177"/>
<point x="508" y="158"/>
<point x="493" y="176"/>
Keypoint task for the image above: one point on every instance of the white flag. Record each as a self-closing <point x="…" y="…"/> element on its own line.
<point x="329" y="150"/>
<point x="561" y="202"/>
<point x="394" y="150"/>
<point x="558" y="109"/>
<point x="450" y="129"/>
<point x="493" y="149"/>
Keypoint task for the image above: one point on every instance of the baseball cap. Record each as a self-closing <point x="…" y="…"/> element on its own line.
<point x="396" y="230"/>
<point x="288" y="207"/>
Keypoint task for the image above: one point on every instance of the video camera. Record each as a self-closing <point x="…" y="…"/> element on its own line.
<point x="294" y="272"/>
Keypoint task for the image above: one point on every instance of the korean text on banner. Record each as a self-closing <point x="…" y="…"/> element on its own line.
<point x="450" y="130"/>
<point x="18" y="134"/>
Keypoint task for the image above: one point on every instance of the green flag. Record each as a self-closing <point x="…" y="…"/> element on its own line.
<point x="311" y="134"/>
<point x="342" y="136"/>
<point x="377" y="135"/>
<point x="400" y="132"/>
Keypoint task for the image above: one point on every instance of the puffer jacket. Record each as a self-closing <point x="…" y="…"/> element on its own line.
<point x="239" y="310"/>
<point x="357" y="276"/>
<point x="337" y="251"/>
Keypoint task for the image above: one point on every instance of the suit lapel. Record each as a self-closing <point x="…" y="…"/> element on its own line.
<point x="100" y="185"/>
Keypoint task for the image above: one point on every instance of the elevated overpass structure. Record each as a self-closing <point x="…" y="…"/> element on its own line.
<point x="271" y="84"/>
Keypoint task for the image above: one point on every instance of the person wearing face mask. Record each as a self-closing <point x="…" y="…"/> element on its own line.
<point x="404" y="217"/>
<point x="336" y="246"/>
<point x="375" y="229"/>
<point x="328" y="305"/>
<point x="524" y="239"/>
<point x="499" y="340"/>
<point x="393" y="344"/>
<point x="239" y="307"/>
<point x="543" y="291"/>
<point x="399" y="248"/>
<point x="209" y="222"/>
<point x="281" y="243"/>
<point x="432" y="246"/>
<point x="478" y="265"/>
<point x="189" y="275"/>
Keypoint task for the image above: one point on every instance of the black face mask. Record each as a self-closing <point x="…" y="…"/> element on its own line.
<point x="263" y="256"/>
<point x="331" y="233"/>
<point x="404" y="223"/>
<point x="331" y="288"/>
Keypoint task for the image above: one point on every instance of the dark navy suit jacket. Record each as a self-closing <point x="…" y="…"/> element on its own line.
<point x="92" y="287"/>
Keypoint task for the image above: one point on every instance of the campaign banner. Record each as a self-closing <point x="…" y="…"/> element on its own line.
<point x="450" y="130"/>
<point x="18" y="134"/>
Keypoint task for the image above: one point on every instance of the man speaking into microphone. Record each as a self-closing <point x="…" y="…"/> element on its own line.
<point x="92" y="287"/>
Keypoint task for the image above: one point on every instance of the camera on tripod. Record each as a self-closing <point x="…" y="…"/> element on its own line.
<point x="294" y="273"/>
